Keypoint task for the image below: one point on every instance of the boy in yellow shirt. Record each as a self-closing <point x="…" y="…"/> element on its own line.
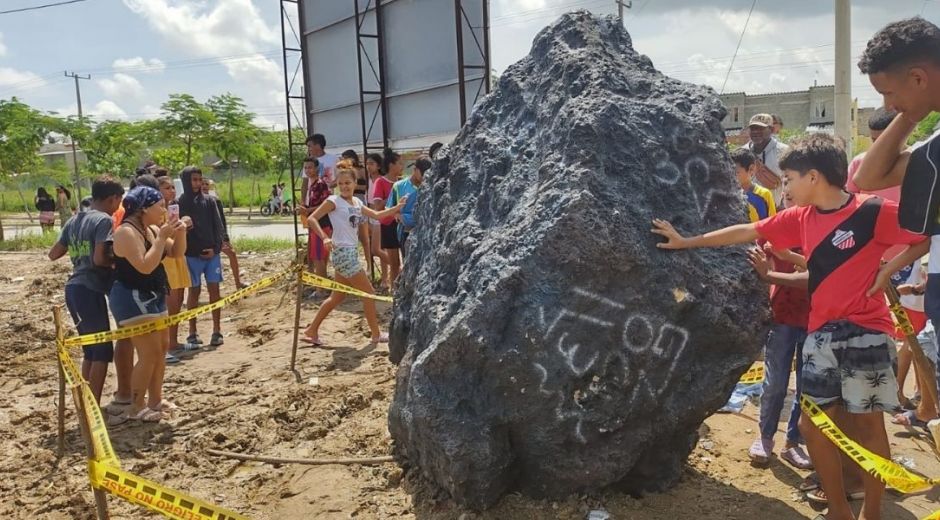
<point x="760" y="201"/>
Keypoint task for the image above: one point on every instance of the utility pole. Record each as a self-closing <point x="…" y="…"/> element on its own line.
<point x="843" y="90"/>
<point x="78" y="99"/>
<point x="620" y="5"/>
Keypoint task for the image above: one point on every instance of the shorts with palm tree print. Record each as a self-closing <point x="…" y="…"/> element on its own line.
<point x="852" y="364"/>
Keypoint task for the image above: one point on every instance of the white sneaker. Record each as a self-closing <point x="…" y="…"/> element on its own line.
<point x="934" y="428"/>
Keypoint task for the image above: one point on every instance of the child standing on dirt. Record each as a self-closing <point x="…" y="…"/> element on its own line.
<point x="85" y="237"/>
<point x="790" y="309"/>
<point x="346" y="214"/>
<point x="848" y="356"/>
<point x="177" y="273"/>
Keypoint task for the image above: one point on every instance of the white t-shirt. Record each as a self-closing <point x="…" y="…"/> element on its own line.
<point x="771" y="158"/>
<point x="345" y="220"/>
<point x="327" y="167"/>
<point x="917" y="275"/>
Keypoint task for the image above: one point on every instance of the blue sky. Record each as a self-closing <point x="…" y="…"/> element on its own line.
<point x="139" y="51"/>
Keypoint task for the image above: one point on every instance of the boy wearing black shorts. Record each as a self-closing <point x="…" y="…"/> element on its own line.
<point x="848" y="354"/>
<point x="85" y="237"/>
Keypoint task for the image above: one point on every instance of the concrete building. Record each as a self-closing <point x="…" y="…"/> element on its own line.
<point x="811" y="110"/>
<point x="53" y="153"/>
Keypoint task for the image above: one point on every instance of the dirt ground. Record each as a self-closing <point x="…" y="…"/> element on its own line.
<point x="242" y="397"/>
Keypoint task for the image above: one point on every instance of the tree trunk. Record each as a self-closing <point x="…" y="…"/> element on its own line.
<point x="189" y="151"/>
<point x="251" y="193"/>
<point x="231" y="188"/>
<point x="1" y="230"/>
<point x="25" y="204"/>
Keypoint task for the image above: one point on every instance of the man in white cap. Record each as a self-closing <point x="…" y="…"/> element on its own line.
<point x="768" y="151"/>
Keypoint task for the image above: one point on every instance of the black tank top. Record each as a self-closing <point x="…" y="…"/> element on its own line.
<point x="124" y="272"/>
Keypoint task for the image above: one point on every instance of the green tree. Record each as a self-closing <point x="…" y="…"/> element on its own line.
<point x="231" y="134"/>
<point x="925" y="128"/>
<point x="187" y="123"/>
<point x="22" y="132"/>
<point x="113" y="147"/>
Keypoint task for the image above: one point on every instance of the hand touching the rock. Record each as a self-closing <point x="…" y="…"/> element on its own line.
<point x="759" y="261"/>
<point x="673" y="239"/>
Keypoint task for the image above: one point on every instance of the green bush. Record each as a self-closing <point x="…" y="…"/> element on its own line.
<point x="244" y="244"/>
<point x="30" y="242"/>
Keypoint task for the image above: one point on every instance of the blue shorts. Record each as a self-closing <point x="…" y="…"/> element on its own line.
<point x="89" y="310"/>
<point x="212" y="268"/>
<point x="131" y="306"/>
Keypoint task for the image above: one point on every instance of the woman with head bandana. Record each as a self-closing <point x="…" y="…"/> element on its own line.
<point x="143" y="239"/>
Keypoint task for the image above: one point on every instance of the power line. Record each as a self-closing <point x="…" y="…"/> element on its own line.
<point x="20" y="10"/>
<point x="741" y="39"/>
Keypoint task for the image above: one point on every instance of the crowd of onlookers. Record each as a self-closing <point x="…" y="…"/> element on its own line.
<point x="139" y="253"/>
<point x="829" y="236"/>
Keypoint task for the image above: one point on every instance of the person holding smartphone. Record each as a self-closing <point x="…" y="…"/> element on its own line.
<point x="203" y="245"/>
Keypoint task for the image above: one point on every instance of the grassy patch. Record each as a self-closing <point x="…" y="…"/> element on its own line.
<point x="244" y="244"/>
<point x="30" y="241"/>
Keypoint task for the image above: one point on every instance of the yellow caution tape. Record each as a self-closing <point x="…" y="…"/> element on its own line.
<point x="755" y="374"/>
<point x="888" y="471"/>
<point x="98" y="429"/>
<point x="162" y="323"/>
<point x="72" y="375"/>
<point x="153" y="496"/>
<point x="904" y="322"/>
<point x="933" y="516"/>
<point x="326" y="283"/>
<point x="97" y="426"/>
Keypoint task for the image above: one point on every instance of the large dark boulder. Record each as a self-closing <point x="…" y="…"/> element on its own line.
<point x="545" y="344"/>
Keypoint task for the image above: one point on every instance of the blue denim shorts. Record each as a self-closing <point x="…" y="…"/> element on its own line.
<point x="131" y="306"/>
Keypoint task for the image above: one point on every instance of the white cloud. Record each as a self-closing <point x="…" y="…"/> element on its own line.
<point x="107" y="109"/>
<point x="257" y="70"/>
<point x="100" y="111"/>
<point x="229" y="27"/>
<point x="20" y="79"/>
<point x="226" y="28"/>
<point x="121" y="86"/>
<point x="3" y="48"/>
<point x="759" y="26"/>
<point x="139" y="64"/>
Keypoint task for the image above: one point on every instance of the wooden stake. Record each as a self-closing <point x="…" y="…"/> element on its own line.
<point x="60" y="334"/>
<point x="924" y="369"/>
<point x="367" y="461"/>
<point x="101" y="498"/>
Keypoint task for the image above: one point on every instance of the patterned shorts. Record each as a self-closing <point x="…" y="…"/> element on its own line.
<point x="346" y="261"/>
<point x="848" y="363"/>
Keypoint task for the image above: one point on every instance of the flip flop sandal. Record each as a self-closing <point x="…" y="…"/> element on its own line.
<point x="910" y="421"/>
<point x="116" y="407"/>
<point x="165" y="406"/>
<point x="216" y="339"/>
<point x="381" y="339"/>
<point x="116" y="420"/>
<point x="145" y="415"/>
<point x="315" y="341"/>
<point x="819" y="496"/>
<point x="193" y="340"/>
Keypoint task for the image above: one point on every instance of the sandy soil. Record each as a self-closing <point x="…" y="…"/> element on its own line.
<point x="242" y="397"/>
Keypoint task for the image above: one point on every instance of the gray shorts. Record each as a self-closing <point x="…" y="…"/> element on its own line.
<point x="847" y="363"/>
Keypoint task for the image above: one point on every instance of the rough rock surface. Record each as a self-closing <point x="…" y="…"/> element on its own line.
<point x="545" y="344"/>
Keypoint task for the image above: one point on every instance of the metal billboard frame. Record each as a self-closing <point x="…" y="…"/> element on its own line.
<point x="380" y="109"/>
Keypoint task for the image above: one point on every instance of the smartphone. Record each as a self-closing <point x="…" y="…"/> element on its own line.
<point x="173" y="212"/>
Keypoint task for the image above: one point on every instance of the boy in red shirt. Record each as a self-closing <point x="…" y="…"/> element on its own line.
<point x="848" y="355"/>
